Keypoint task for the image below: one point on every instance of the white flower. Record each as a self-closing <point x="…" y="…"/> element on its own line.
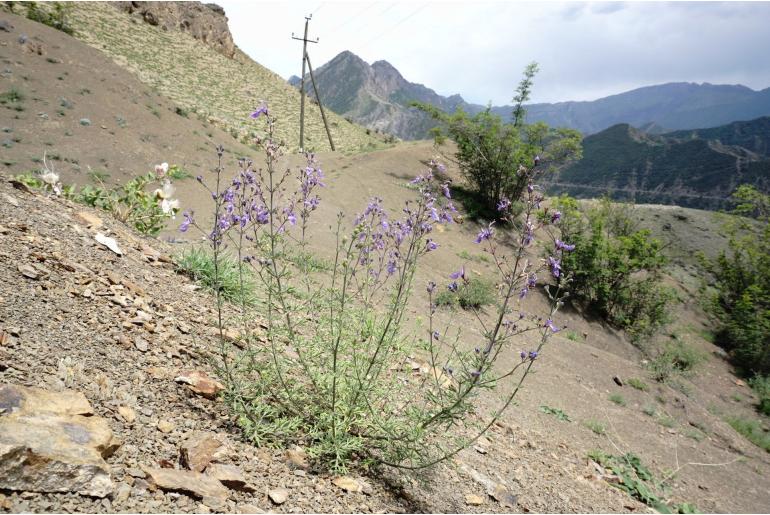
<point x="164" y="192"/>
<point x="161" y="169"/>
<point x="49" y="177"/>
<point x="169" y="206"/>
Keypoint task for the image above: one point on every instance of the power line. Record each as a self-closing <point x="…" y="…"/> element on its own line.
<point x="356" y="15"/>
<point x="403" y="20"/>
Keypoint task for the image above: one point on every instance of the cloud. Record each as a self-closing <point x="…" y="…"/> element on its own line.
<point x="479" y="49"/>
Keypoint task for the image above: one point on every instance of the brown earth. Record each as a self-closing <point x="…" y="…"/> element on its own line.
<point x="67" y="338"/>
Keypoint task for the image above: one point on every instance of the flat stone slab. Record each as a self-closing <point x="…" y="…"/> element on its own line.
<point x="47" y="444"/>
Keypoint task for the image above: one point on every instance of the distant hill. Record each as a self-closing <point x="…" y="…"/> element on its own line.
<point x="193" y="65"/>
<point x="696" y="168"/>
<point x="377" y="96"/>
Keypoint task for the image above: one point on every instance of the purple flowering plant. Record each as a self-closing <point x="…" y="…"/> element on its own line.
<point x="324" y="358"/>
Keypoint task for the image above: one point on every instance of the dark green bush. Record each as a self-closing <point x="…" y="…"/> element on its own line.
<point x="491" y="152"/>
<point x="741" y="302"/>
<point x="761" y="386"/>
<point x="472" y="294"/>
<point x="615" y="268"/>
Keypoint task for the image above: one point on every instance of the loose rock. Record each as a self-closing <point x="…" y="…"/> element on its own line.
<point x="197" y="452"/>
<point x="278" y="495"/>
<point x="186" y="481"/>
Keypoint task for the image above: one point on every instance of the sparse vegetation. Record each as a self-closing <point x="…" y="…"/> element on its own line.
<point x="677" y="357"/>
<point x="559" y="414"/>
<point x="234" y="283"/>
<point x="618" y="399"/>
<point x="638" y="481"/>
<point x="595" y="426"/>
<point x="475" y="293"/>
<point x="752" y="430"/>
<point x="637" y="383"/>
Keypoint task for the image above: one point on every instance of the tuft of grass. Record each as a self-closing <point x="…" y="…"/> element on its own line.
<point x="308" y="262"/>
<point x="595" y="426"/>
<point x="677" y="357"/>
<point x="695" y="435"/>
<point x="572" y="336"/>
<point x="638" y="384"/>
<point x="650" y="410"/>
<point x="618" y="399"/>
<point x="478" y="258"/>
<point x="473" y="294"/>
<point x="561" y="415"/>
<point x="752" y="430"/>
<point x="12" y="96"/>
<point x="666" y="421"/>
<point x="225" y="277"/>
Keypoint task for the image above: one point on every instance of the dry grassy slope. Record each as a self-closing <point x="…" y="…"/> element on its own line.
<point x="132" y="127"/>
<point x="197" y="77"/>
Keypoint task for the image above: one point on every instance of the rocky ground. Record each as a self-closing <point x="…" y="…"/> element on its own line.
<point x="129" y="335"/>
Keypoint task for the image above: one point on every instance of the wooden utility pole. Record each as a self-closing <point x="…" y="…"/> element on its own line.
<point x="320" y="105"/>
<point x="306" y="59"/>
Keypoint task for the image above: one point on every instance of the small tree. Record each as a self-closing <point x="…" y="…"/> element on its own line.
<point x="494" y="155"/>
<point x="741" y="302"/>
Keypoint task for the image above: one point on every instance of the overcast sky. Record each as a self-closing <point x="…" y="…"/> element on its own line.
<point x="478" y="49"/>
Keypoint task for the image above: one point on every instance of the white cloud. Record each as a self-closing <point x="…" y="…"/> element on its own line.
<point x="478" y="49"/>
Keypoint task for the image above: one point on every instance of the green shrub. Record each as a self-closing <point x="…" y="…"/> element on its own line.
<point x="638" y="384"/>
<point x="54" y="15"/>
<point x="490" y="152"/>
<point x="473" y="294"/>
<point x="761" y="386"/>
<point x="595" y="426"/>
<point x="752" y="430"/>
<point x="741" y="302"/>
<point x="677" y="357"/>
<point x="236" y="284"/>
<point x="561" y="415"/>
<point x="615" y="268"/>
<point x="617" y="399"/>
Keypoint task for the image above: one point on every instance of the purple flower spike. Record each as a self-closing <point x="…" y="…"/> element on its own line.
<point x="186" y="222"/>
<point x="436" y="335"/>
<point x="532" y="354"/>
<point x="431" y="286"/>
<point x="431" y="245"/>
<point x="555" y="265"/>
<point x="523" y="355"/>
<point x="445" y="190"/>
<point x="460" y="274"/>
<point x="262" y="109"/>
<point x="549" y="325"/>
<point x="485" y="234"/>
<point x="555" y="217"/>
<point x="560" y="245"/>
<point x="504" y="204"/>
<point x="452" y="286"/>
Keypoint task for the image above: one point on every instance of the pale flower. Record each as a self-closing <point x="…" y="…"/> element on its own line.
<point x="169" y="206"/>
<point x="165" y="192"/>
<point x="50" y="178"/>
<point x="161" y="170"/>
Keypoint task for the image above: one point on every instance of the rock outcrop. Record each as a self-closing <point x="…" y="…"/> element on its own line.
<point x="204" y="22"/>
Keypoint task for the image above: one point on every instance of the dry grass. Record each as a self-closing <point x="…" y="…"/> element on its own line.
<point x="220" y="90"/>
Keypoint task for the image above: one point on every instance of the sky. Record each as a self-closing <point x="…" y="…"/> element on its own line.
<point x="585" y="50"/>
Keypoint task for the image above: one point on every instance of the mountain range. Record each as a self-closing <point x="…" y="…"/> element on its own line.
<point x="377" y="96"/>
<point x="693" y="168"/>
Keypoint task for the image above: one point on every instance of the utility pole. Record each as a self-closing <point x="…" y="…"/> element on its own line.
<point x="306" y="59"/>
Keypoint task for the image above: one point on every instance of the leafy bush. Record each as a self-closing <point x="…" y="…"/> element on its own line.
<point x="677" y="357"/>
<point x="223" y="275"/>
<point x="616" y="269"/>
<point x="752" y="430"/>
<point x="638" y="481"/>
<point x="335" y="370"/>
<point x="471" y="294"/>
<point x="54" y="14"/>
<point x="638" y="384"/>
<point x="741" y="302"/>
<point x="761" y="386"/>
<point x="595" y="426"/>
<point x="493" y="155"/>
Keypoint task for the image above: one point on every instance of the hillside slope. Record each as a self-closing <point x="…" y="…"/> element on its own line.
<point x="89" y="116"/>
<point x="698" y="168"/>
<point x="199" y="78"/>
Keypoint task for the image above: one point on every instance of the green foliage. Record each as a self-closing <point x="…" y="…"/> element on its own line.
<point x="677" y="357"/>
<point x="12" y="96"/>
<point x="471" y="294"/>
<point x="752" y="430"/>
<point x="55" y="14"/>
<point x="650" y="410"/>
<point x="741" y="301"/>
<point x="617" y="399"/>
<point x="178" y="173"/>
<point x="595" y="426"/>
<point x="478" y="258"/>
<point x="236" y="284"/>
<point x="638" y="481"/>
<point x="561" y="415"/>
<point x="131" y="203"/>
<point x="638" y="384"/>
<point x="616" y="269"/>
<point x="761" y="386"/>
<point x="491" y="152"/>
